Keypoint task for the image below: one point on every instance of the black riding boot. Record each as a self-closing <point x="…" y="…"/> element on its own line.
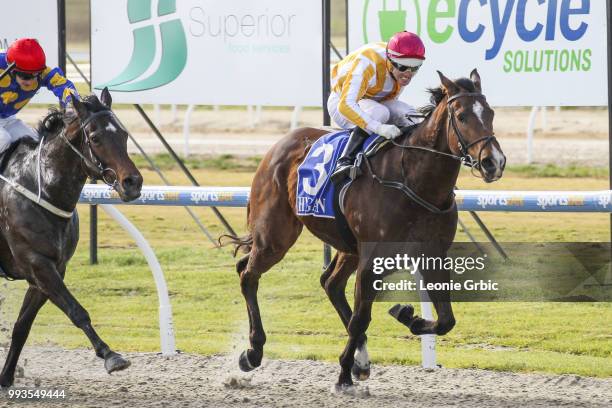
<point x="345" y="162"/>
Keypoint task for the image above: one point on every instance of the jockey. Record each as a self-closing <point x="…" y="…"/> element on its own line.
<point x="23" y="71"/>
<point x="365" y="87"/>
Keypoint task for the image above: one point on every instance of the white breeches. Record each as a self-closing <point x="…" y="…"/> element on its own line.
<point x="13" y="129"/>
<point x="394" y="112"/>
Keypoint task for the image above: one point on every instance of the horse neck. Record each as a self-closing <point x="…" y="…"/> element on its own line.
<point x="62" y="173"/>
<point x="431" y="175"/>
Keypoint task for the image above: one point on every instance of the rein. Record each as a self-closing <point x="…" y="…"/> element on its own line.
<point x="466" y="159"/>
<point x="409" y="192"/>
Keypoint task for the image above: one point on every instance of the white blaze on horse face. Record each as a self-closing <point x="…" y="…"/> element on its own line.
<point x="111" y="128"/>
<point x="478" y="109"/>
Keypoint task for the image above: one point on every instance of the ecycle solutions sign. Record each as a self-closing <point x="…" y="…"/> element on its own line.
<point x="528" y="52"/>
<point x="265" y="52"/>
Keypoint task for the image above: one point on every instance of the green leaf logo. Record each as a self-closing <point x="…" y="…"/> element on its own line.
<point x="173" y="49"/>
<point x="390" y="21"/>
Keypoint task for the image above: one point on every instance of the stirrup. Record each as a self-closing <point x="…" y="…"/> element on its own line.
<point x="355" y="170"/>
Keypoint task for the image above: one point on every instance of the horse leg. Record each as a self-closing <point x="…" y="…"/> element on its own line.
<point x="441" y="301"/>
<point x="51" y="283"/>
<point x="446" y="318"/>
<point x="334" y="280"/>
<point x="34" y="299"/>
<point x="358" y="324"/>
<point x="260" y="261"/>
<point x="267" y="250"/>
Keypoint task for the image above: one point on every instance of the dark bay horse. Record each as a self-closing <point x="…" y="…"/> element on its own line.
<point x="458" y="127"/>
<point x="36" y="243"/>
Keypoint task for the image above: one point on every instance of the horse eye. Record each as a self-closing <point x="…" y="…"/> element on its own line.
<point x="95" y="138"/>
<point x="461" y="117"/>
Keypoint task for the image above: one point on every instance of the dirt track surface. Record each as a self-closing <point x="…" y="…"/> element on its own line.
<point x="195" y="381"/>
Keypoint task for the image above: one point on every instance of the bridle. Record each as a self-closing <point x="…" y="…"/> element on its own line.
<point x="465" y="158"/>
<point x="93" y="165"/>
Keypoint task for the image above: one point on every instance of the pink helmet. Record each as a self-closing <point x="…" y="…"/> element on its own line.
<point x="406" y="48"/>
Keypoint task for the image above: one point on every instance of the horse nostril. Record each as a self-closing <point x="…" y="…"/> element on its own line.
<point x="488" y="164"/>
<point x="131" y="182"/>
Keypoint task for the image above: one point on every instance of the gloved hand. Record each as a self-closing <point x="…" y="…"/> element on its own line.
<point x="388" y="131"/>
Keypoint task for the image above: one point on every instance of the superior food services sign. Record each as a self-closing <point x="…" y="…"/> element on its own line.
<point x="237" y="52"/>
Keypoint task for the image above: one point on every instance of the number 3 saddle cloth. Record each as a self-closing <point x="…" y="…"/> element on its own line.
<point x="315" y="190"/>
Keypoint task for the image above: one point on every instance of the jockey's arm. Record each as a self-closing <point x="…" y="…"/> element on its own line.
<point x="353" y="90"/>
<point x="55" y="81"/>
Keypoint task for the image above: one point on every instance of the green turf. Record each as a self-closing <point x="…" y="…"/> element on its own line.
<point x="210" y="317"/>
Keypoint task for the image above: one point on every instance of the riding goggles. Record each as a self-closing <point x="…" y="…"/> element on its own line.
<point x="26" y="76"/>
<point x="404" y="68"/>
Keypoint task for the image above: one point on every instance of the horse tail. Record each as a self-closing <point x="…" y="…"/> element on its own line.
<point x="245" y="242"/>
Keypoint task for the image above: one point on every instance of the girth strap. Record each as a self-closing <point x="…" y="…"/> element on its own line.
<point x="410" y="193"/>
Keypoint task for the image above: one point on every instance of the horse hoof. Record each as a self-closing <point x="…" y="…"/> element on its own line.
<point x="115" y="362"/>
<point x="361" y="373"/>
<point x="244" y="363"/>
<point x="418" y="326"/>
<point x="404" y="314"/>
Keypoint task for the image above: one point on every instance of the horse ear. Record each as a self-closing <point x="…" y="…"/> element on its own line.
<point x="449" y="86"/>
<point x="476" y="80"/>
<point x="79" y="107"/>
<point x="106" y="98"/>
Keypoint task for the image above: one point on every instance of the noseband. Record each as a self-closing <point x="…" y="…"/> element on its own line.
<point x="463" y="146"/>
<point x="93" y="164"/>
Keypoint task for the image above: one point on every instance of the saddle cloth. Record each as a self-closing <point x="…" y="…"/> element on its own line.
<point x="315" y="191"/>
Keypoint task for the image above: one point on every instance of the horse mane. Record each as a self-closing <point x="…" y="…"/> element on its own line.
<point x="57" y="119"/>
<point x="437" y="94"/>
<point x="52" y="123"/>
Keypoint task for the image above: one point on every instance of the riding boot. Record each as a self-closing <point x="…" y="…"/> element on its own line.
<point x="353" y="146"/>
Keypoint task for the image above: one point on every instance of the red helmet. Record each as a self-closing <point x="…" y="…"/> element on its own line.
<point x="27" y="55"/>
<point x="406" y="48"/>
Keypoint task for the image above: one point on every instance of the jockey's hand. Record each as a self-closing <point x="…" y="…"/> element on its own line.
<point x="388" y="131"/>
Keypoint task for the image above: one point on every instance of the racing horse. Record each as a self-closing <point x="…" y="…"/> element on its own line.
<point x="39" y="226"/>
<point x="404" y="195"/>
